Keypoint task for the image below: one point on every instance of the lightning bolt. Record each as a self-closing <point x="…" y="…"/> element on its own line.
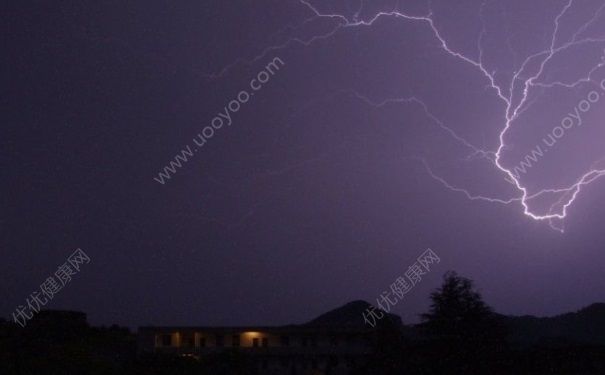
<point x="523" y="79"/>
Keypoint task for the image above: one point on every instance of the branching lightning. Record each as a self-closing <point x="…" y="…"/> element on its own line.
<point x="524" y="79"/>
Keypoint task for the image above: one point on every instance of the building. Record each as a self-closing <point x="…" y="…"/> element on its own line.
<point x="334" y="343"/>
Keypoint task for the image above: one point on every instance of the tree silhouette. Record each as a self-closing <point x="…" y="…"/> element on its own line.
<point x="457" y="309"/>
<point x="464" y="332"/>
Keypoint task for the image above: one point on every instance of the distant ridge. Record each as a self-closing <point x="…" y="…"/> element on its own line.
<point x="350" y="315"/>
<point x="585" y="326"/>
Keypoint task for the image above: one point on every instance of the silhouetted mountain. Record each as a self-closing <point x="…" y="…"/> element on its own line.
<point x="62" y="342"/>
<point x="585" y="326"/>
<point x="350" y="314"/>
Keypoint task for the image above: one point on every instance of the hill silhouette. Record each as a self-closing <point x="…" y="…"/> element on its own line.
<point x="585" y="326"/>
<point x="350" y="315"/>
<point x="60" y="342"/>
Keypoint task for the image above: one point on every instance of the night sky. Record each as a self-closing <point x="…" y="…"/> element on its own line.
<point x="391" y="127"/>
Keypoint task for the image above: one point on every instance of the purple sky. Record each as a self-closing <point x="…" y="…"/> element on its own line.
<point x="379" y="137"/>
